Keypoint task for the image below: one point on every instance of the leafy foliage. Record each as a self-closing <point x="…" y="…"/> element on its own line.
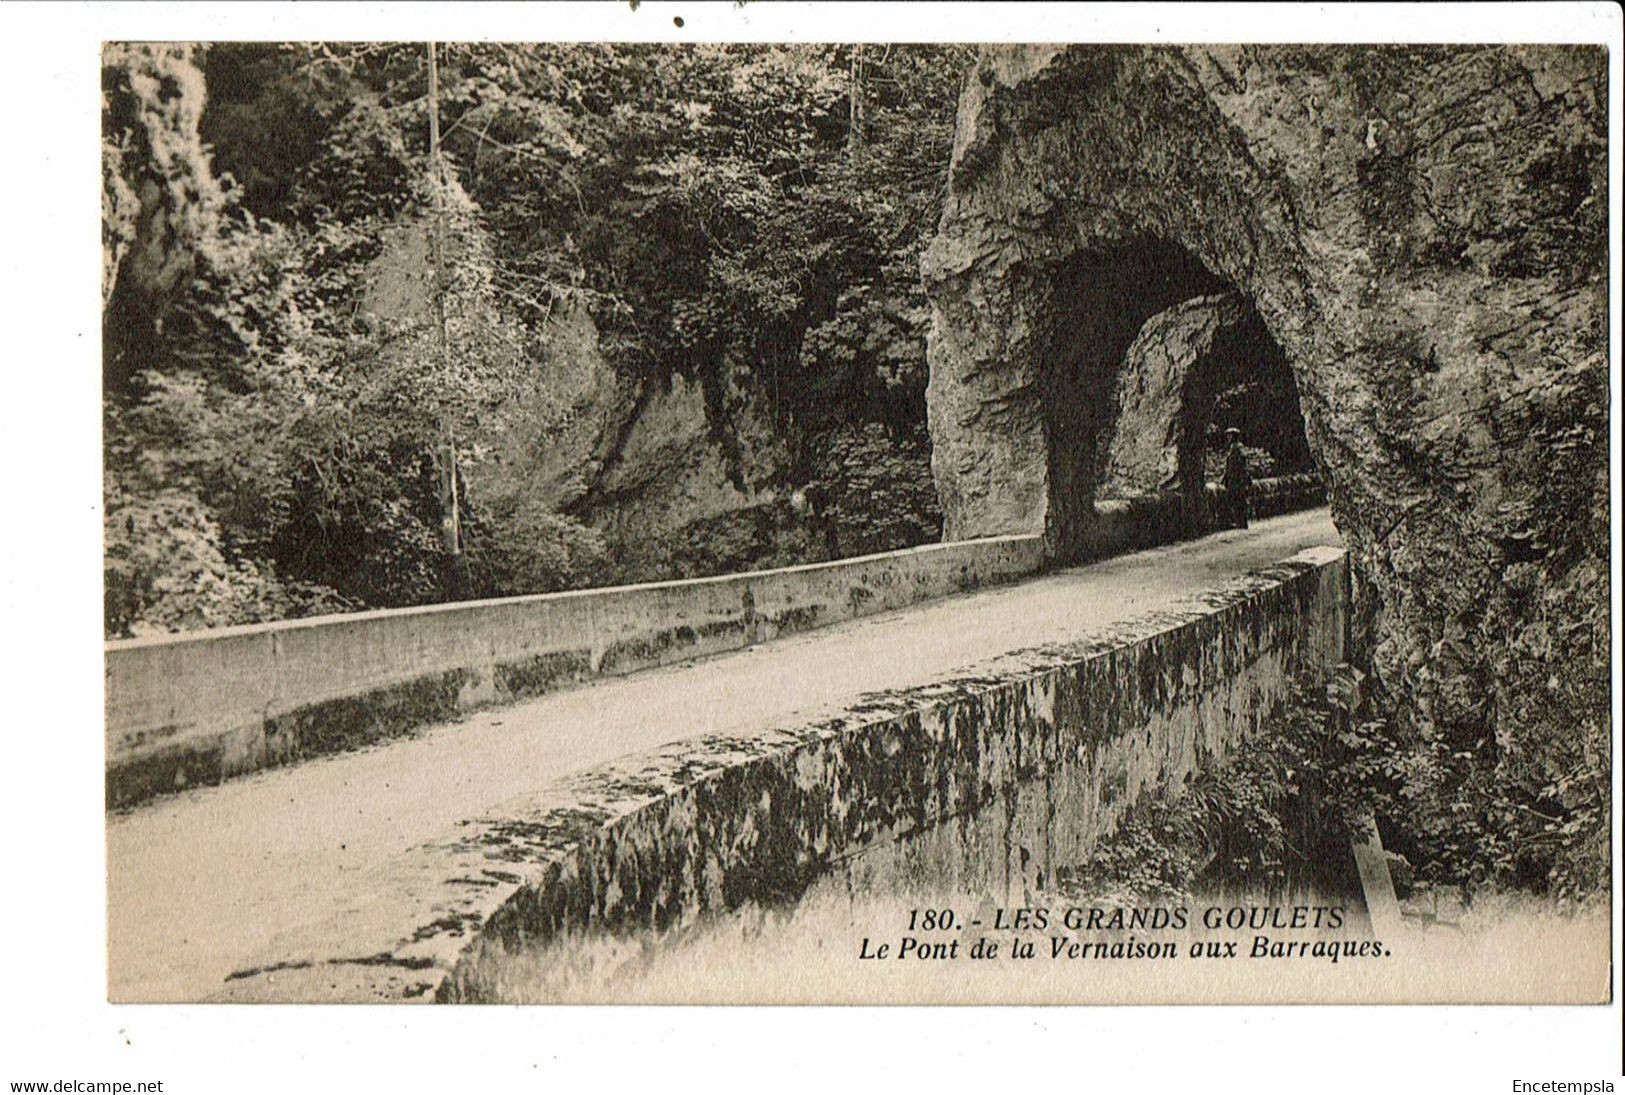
<point x="1284" y="803"/>
<point x="278" y="407"/>
<point x="876" y="494"/>
<point x="725" y="221"/>
<point x="1274" y="814"/>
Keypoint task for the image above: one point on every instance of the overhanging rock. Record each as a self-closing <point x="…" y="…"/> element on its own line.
<point x="1423" y="232"/>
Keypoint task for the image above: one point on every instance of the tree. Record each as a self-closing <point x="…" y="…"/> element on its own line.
<point x="266" y="392"/>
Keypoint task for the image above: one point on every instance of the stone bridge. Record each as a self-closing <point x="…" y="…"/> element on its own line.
<point x="961" y="715"/>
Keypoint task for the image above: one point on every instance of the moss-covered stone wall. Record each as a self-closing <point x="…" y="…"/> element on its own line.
<point x="990" y="780"/>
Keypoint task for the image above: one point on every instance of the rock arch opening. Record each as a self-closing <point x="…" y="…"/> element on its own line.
<point x="1439" y="288"/>
<point x="1146" y="358"/>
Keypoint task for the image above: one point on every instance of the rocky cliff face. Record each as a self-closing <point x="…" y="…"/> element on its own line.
<point x="649" y="466"/>
<point x="1156" y="440"/>
<point x="1423" y="231"/>
<point x="160" y="198"/>
<point x="676" y="496"/>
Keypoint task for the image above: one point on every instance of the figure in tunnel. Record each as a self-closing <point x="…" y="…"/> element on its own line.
<point x="1237" y="482"/>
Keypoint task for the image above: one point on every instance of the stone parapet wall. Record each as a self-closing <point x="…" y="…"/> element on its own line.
<point x="1286" y="494"/>
<point x="991" y="780"/>
<point x="1128" y="524"/>
<point x="198" y="708"/>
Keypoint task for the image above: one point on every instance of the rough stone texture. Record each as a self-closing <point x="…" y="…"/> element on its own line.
<point x="1157" y="439"/>
<point x="646" y="464"/>
<point x="563" y="424"/>
<point x="1422" y="230"/>
<point x="677" y="499"/>
<point x="991" y="780"/>
<point x="641" y="461"/>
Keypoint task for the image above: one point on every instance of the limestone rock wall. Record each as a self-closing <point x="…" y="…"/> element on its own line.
<point x="1156" y="441"/>
<point x="639" y="461"/>
<point x="680" y="498"/>
<point x="1423" y="231"/>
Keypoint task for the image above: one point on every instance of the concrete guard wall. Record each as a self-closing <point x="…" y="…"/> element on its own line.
<point x="991" y="781"/>
<point x="198" y="708"/>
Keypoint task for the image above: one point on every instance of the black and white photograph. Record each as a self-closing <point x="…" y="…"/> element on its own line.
<point x="874" y="514"/>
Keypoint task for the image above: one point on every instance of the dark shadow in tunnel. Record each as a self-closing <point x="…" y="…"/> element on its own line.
<point x="1099" y="302"/>
<point x="1250" y="387"/>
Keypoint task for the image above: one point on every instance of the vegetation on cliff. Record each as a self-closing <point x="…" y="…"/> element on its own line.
<point x="738" y="232"/>
<point x="1278" y="814"/>
<point x="745" y="219"/>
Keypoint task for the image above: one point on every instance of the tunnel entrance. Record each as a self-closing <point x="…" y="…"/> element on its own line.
<point x="1150" y="358"/>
